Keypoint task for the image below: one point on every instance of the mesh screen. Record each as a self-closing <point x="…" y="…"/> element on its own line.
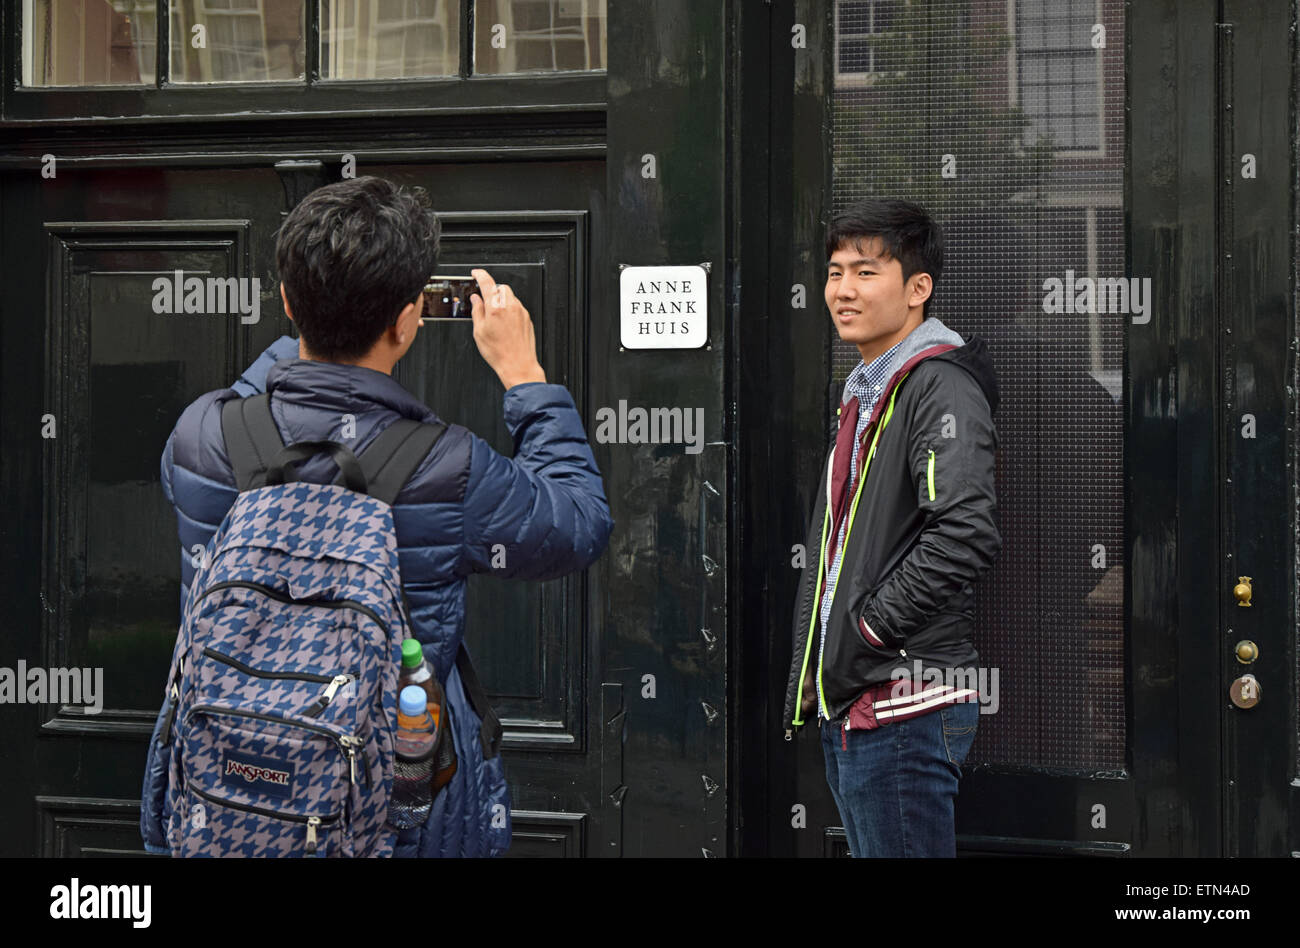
<point x="1005" y="119"/>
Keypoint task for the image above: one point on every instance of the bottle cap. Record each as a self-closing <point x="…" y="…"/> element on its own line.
<point x="412" y="653"/>
<point x="412" y="701"/>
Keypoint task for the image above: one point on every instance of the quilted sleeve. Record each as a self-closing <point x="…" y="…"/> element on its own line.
<point x="543" y="513"/>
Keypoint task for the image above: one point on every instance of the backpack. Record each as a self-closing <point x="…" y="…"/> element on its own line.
<point x="283" y="695"/>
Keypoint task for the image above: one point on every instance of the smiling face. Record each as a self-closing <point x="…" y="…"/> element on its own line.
<point x="871" y="306"/>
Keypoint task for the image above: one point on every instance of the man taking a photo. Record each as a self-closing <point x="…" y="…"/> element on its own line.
<point x="354" y="258"/>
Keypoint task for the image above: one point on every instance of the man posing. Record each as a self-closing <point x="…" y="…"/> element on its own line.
<point x="903" y="526"/>
<point x="353" y="259"/>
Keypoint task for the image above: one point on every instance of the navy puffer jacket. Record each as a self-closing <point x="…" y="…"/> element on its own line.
<point x="546" y="507"/>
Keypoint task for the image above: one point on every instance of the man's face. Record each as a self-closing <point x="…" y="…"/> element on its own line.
<point x="868" y="301"/>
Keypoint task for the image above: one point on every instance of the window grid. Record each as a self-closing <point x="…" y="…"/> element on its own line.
<point x="1057" y="72"/>
<point x="860" y="27"/>
<point x="247" y="41"/>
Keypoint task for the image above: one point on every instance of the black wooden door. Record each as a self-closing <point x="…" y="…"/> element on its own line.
<point x="108" y="377"/>
<point x="611" y="685"/>
<point x="1147" y="450"/>
<point x="1255" y="571"/>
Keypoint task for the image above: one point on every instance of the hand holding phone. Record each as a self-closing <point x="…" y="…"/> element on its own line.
<point x="503" y="332"/>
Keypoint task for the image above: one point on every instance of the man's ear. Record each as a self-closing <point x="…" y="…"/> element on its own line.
<point x="408" y="320"/>
<point x="924" y="285"/>
<point x="284" y="297"/>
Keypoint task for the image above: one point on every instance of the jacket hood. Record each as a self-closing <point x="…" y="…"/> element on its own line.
<point x="972" y="356"/>
<point x="339" y="387"/>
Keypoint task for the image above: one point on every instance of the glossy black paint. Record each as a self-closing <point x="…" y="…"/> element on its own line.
<point x="663" y="582"/>
<point x="697" y="586"/>
<point x="780" y="370"/>
<point x="1201" y="777"/>
<point x="1258" y="370"/>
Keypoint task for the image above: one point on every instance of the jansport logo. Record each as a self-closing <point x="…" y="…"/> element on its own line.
<point x="102" y="901"/>
<point x="268" y="779"/>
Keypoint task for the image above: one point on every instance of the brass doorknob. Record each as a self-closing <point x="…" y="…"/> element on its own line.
<point x="1242" y="590"/>
<point x="1247" y="651"/>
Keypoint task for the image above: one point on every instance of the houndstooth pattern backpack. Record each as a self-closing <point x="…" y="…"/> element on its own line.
<point x="283" y="695"/>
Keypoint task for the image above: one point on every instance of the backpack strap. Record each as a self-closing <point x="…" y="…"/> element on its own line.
<point x="253" y="442"/>
<point x="392" y="457"/>
<point x="252" y="439"/>
<point x="490" y="731"/>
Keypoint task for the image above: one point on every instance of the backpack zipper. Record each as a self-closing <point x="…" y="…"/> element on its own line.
<point x="335" y="681"/>
<point x="347" y="743"/>
<point x="283" y="597"/>
<point x="313" y="822"/>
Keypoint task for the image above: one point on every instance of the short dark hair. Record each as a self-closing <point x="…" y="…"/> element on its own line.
<point x="908" y="232"/>
<point x="351" y="255"/>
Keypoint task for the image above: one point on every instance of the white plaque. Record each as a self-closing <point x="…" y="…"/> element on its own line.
<point x="664" y="307"/>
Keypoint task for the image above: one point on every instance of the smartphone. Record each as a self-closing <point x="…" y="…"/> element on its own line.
<point x="447" y="297"/>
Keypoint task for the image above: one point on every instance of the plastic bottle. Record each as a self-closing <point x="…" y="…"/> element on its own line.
<point x="416" y="670"/>
<point x="412" y="797"/>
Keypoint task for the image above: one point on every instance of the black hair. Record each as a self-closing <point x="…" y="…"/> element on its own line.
<point x="351" y="256"/>
<point x="908" y="232"/>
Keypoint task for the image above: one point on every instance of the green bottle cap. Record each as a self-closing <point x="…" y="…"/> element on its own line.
<point x="412" y="653"/>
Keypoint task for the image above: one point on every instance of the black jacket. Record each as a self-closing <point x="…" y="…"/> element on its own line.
<point x="923" y="533"/>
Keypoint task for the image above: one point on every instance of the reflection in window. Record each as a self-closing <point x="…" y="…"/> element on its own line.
<point x="539" y="35"/>
<point x="88" y="42"/>
<point x="389" y="39"/>
<point x="864" y="42"/>
<point x="1058" y="71"/>
<point x="236" y="40"/>
<point x="940" y="130"/>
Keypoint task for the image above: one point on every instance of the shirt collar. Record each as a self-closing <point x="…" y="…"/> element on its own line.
<point x="868" y="381"/>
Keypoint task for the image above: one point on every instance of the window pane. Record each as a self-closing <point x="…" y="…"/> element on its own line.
<point x="1050" y="615"/>
<point x="89" y="42"/>
<point x="389" y="39"/>
<point x="538" y="35"/>
<point x="237" y="40"/>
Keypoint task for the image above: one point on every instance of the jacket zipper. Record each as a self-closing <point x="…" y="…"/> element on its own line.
<point x="334" y="681"/>
<point x="347" y="743"/>
<point x="929" y="473"/>
<point x="313" y="822"/>
<point x="848" y="530"/>
<point x="812" y="624"/>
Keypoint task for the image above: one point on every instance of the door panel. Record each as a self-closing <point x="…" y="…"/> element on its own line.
<point x="1261" y="798"/>
<point x="115" y="376"/>
<point x="1147" y="455"/>
<point x="526" y="637"/>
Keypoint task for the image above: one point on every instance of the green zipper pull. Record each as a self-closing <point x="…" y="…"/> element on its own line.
<point x="930" y="474"/>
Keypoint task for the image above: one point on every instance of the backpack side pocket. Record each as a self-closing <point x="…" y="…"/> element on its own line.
<point x="153" y="792"/>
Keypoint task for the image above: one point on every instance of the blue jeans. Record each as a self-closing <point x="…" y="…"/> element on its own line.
<point x="894" y="786"/>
